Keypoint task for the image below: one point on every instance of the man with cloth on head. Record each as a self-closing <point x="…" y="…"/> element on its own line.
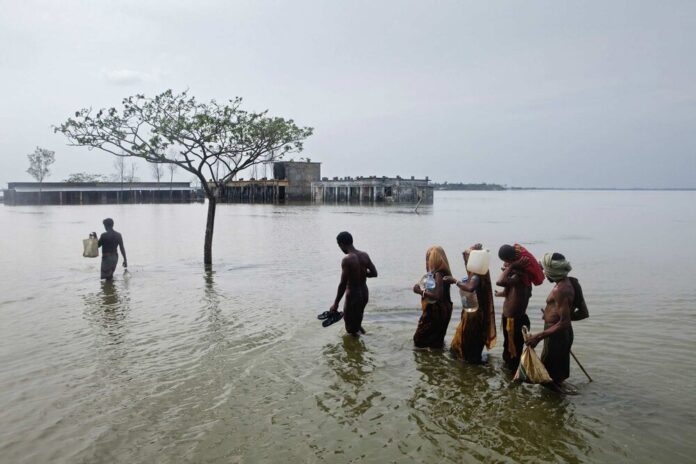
<point x="564" y="303"/>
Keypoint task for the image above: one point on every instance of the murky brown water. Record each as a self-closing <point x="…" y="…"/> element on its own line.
<point x="175" y="365"/>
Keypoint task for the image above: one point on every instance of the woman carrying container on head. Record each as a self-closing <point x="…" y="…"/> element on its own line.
<point x="435" y="300"/>
<point x="476" y="328"/>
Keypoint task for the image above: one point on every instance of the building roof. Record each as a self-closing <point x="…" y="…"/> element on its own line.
<point x="26" y="187"/>
<point x="372" y="180"/>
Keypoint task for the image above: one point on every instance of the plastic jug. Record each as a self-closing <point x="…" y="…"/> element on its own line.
<point x="428" y="283"/>
<point x="478" y="261"/>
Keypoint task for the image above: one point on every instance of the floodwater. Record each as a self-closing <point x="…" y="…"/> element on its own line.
<point x="173" y="364"/>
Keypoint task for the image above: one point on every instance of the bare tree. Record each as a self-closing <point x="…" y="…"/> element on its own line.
<point x="120" y="175"/>
<point x="171" y="167"/>
<point x="206" y="138"/>
<point x="157" y="170"/>
<point x="39" y="163"/>
<point x="120" y="170"/>
<point x="130" y="173"/>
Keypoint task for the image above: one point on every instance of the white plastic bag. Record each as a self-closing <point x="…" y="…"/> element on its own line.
<point x="91" y="248"/>
<point x="531" y="369"/>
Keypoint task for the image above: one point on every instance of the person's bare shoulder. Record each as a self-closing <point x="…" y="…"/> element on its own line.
<point x="567" y="291"/>
<point x="350" y="260"/>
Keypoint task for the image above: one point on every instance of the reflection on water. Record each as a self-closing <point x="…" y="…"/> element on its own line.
<point x="353" y="365"/>
<point x="172" y="362"/>
<point x="489" y="418"/>
<point x="212" y="311"/>
<point x="107" y="310"/>
<point x="107" y="313"/>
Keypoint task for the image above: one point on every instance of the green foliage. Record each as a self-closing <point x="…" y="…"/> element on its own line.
<point x="76" y="177"/>
<point x="39" y="163"/>
<point x="463" y="186"/>
<point x="211" y="140"/>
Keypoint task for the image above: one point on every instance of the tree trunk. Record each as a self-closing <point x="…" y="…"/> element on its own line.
<point x="209" y="226"/>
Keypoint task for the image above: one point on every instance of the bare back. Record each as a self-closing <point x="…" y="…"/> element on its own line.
<point x="357" y="265"/>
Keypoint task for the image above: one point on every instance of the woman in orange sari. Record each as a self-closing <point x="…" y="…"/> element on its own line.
<point x="476" y="328"/>
<point x="436" y="303"/>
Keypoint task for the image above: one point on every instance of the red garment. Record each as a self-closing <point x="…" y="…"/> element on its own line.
<point x="533" y="272"/>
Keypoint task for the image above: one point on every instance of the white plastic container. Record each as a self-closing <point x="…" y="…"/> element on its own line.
<point x="478" y="261"/>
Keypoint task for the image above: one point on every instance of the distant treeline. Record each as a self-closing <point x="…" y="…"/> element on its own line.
<point x="463" y="186"/>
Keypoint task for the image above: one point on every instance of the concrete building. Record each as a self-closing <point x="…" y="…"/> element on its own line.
<point x="300" y="175"/>
<point x="301" y="181"/>
<point x="95" y="193"/>
<point x="292" y="181"/>
<point x="372" y="190"/>
<point x="254" y="191"/>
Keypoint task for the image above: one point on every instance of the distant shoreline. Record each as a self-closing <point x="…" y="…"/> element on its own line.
<point x="485" y="187"/>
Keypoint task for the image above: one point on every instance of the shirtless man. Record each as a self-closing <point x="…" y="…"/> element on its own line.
<point x="356" y="267"/>
<point x="558" y="331"/>
<point x="109" y="241"/>
<point x="517" y="293"/>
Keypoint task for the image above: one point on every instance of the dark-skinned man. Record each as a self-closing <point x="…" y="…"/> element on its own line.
<point x="109" y="242"/>
<point x="356" y="267"/>
<point x="564" y="303"/>
<point x="517" y="293"/>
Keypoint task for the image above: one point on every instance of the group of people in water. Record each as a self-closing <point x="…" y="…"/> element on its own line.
<point x="477" y="326"/>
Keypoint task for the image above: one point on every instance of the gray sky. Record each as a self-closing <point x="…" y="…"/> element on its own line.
<point x="583" y="94"/>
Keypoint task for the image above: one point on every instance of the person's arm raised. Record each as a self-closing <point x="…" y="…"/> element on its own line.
<point x="507" y="278"/>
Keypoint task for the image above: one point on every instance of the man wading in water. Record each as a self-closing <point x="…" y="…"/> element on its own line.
<point x="356" y="267"/>
<point x="108" y="242"/>
<point x="517" y="293"/>
<point x="564" y="303"/>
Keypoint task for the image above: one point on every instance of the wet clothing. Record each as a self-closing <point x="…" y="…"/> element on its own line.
<point x="476" y="329"/>
<point x="556" y="353"/>
<point x="435" y="317"/>
<point x="513" y="339"/>
<point x="108" y="265"/>
<point x="109" y="242"/>
<point x="354" y="307"/>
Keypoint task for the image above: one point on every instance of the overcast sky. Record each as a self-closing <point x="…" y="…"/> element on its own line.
<point x="583" y="94"/>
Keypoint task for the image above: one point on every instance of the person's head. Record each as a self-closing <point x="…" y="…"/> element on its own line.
<point x="556" y="266"/>
<point x="507" y="253"/>
<point x="345" y="241"/>
<point x="437" y="260"/>
<point x="108" y="223"/>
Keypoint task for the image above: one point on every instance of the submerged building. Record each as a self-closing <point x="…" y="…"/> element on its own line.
<point x="97" y="193"/>
<point x="292" y="181"/>
<point x="372" y="190"/>
<point x="301" y="181"/>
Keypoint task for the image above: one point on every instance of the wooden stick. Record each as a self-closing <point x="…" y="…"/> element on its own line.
<point x="582" y="368"/>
